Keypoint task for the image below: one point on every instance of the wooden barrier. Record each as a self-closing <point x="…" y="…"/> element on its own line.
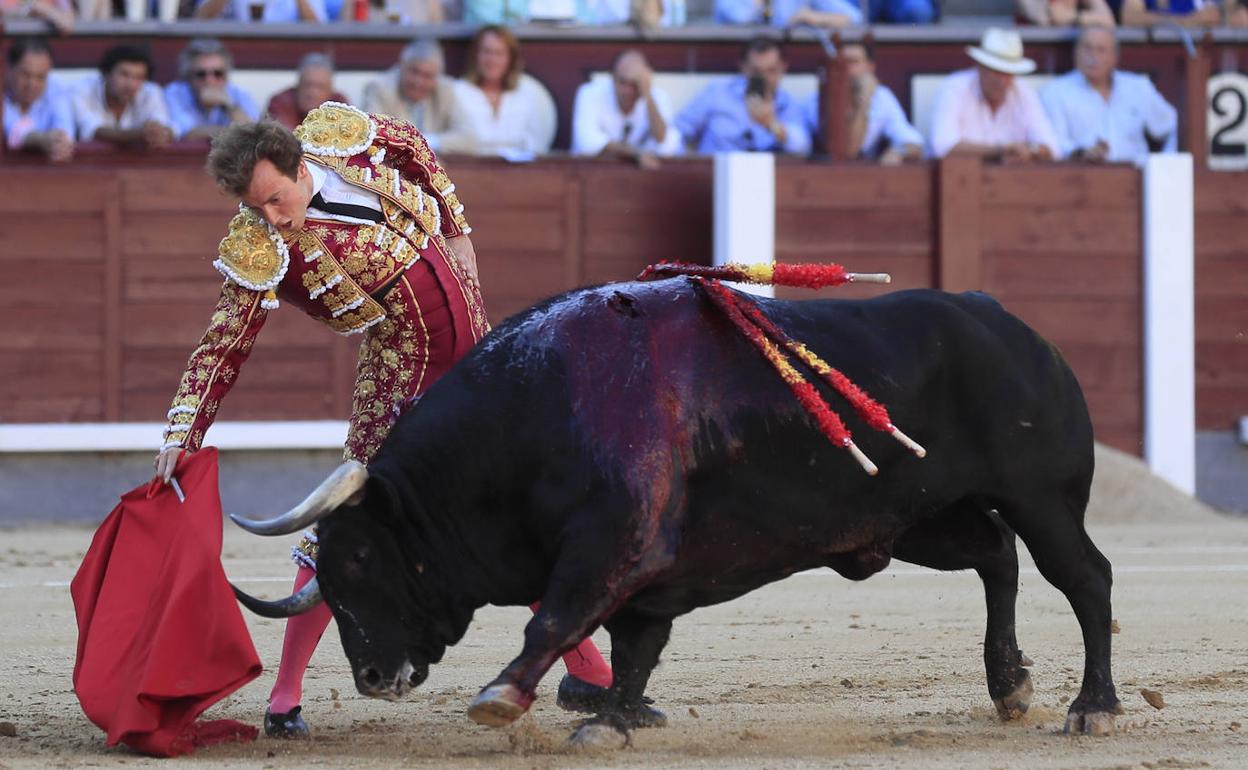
<point x="110" y="280"/>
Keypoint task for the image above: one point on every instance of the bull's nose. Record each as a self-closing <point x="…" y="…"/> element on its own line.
<point x="369" y="679"/>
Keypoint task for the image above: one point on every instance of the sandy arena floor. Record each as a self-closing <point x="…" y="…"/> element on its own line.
<point x="812" y="672"/>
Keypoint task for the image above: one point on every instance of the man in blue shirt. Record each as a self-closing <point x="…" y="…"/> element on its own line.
<point x="786" y="13"/>
<point x="204" y="101"/>
<point x="1100" y="113"/>
<point x="37" y="116"/>
<point x="747" y="112"/>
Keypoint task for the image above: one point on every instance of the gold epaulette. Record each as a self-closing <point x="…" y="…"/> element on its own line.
<point x="253" y="254"/>
<point x="336" y="129"/>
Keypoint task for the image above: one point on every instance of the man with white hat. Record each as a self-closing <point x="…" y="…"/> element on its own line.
<point x="983" y="111"/>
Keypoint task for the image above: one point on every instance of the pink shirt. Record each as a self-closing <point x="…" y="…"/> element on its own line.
<point x="961" y="114"/>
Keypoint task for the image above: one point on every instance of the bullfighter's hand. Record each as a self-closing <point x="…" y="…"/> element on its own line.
<point x="167" y="462"/>
<point x="465" y="255"/>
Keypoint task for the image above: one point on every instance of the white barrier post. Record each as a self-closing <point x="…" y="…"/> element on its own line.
<point x="1170" y="320"/>
<point x="744" y="211"/>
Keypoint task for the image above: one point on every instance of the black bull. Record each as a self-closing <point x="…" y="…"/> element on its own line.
<point x="623" y="455"/>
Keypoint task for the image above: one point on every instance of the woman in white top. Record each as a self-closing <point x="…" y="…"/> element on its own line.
<point x="499" y="110"/>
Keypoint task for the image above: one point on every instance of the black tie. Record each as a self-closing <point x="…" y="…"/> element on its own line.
<point x="345" y="209"/>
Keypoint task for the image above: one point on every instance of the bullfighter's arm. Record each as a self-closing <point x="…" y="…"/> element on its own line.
<point x="407" y="151"/>
<point x="214" y="365"/>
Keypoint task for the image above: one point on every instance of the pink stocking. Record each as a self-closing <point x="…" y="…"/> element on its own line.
<point x="585" y="662"/>
<point x="302" y="634"/>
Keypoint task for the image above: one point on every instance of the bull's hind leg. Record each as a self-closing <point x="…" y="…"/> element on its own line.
<point x="968" y="537"/>
<point x="1067" y="558"/>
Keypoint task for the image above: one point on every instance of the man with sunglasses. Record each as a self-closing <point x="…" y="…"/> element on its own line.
<point x="203" y="101"/>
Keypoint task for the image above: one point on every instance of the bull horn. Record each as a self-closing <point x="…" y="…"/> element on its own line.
<point x="296" y="604"/>
<point x="342" y="486"/>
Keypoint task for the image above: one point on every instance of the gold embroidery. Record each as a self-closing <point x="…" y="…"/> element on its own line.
<point x="333" y="129"/>
<point x="248" y="254"/>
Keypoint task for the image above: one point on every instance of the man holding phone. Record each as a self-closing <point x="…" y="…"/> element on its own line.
<point x="749" y="112"/>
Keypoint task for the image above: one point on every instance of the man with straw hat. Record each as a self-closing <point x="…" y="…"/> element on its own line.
<point x="984" y="112"/>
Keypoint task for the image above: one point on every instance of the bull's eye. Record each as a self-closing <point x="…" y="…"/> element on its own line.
<point x="359" y="557"/>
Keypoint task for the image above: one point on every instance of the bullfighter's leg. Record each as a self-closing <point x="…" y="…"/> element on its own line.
<point x="1068" y="559"/>
<point x="282" y="719"/>
<point x="968" y="537"/>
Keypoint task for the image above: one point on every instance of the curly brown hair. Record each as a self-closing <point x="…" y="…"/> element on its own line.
<point x="237" y="149"/>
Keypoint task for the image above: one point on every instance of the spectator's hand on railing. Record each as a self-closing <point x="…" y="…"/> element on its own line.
<point x="156" y="135"/>
<point x="59" y="146"/>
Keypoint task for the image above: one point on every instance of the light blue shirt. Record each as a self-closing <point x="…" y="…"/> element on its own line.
<point x="480" y="12"/>
<point x="51" y="111"/>
<point x="717" y="121"/>
<point x="751" y="11"/>
<point x="886" y="124"/>
<point x="1081" y="116"/>
<point x="277" y="11"/>
<point x="186" y="114"/>
<point x="612" y="12"/>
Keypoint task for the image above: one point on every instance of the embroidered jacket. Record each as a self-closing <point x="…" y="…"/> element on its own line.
<point x="330" y="269"/>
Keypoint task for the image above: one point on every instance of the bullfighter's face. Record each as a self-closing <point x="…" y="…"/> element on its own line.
<point x="373" y="587"/>
<point x="281" y="200"/>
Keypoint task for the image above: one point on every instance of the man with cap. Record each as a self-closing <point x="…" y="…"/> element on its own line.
<point x="984" y="112"/>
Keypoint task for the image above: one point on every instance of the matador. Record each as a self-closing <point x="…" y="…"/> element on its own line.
<point x="351" y="219"/>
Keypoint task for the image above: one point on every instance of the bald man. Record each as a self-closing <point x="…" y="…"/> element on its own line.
<point x="624" y="116"/>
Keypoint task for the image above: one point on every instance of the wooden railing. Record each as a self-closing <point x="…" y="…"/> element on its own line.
<point x="109" y="280"/>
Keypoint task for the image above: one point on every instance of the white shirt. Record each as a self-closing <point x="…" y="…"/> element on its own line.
<point x="962" y="115"/>
<point x="524" y="123"/>
<point x="335" y="189"/>
<point x="91" y="111"/>
<point x="597" y="120"/>
<point x="1082" y="117"/>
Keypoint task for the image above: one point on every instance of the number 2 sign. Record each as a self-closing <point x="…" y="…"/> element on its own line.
<point x="1228" y="122"/>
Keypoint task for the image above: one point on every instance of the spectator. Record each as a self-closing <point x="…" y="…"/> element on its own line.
<point x="1064" y="13"/>
<point x="624" y="117"/>
<point x="903" y="11"/>
<point x="787" y="13"/>
<point x="498" y="108"/>
<point x="647" y="14"/>
<point x="314" y="87"/>
<point x="749" y="111"/>
<point x="495" y="12"/>
<point x="1185" y="13"/>
<point x="58" y="13"/>
<point x="878" y="129"/>
<point x="416" y="90"/>
<point x="204" y="101"/>
<point x="983" y="111"/>
<point x="1102" y="114"/>
<point x="120" y="105"/>
<point x="393" y="11"/>
<point x="1237" y="13"/>
<point x="285" y="11"/>
<point x="37" y="116"/>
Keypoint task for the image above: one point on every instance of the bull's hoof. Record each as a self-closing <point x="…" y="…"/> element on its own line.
<point x="598" y="736"/>
<point x="641" y="716"/>
<point x="498" y="705"/>
<point x="1014" y="705"/>
<point x="1098" y="724"/>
